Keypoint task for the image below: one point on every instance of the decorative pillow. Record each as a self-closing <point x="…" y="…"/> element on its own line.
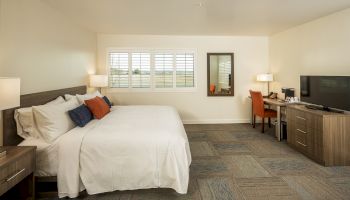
<point x="107" y="101"/>
<point x="25" y="121"/>
<point x="80" y="115"/>
<point x="53" y="121"/>
<point x="84" y="97"/>
<point x="98" y="107"/>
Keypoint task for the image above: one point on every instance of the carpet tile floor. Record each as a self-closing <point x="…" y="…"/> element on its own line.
<point x="235" y="161"/>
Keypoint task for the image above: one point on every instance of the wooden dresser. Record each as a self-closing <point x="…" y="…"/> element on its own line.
<point x="16" y="173"/>
<point x="322" y="136"/>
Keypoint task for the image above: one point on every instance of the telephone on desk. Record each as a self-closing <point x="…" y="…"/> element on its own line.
<point x="272" y="95"/>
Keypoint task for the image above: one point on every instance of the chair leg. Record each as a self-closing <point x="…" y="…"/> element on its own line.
<point x="254" y="117"/>
<point x="262" y="125"/>
<point x="269" y="122"/>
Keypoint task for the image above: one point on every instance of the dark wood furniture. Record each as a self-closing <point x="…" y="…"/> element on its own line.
<point x="260" y="110"/>
<point x="16" y="173"/>
<point x="225" y="91"/>
<point x="45" y="186"/>
<point x="322" y="136"/>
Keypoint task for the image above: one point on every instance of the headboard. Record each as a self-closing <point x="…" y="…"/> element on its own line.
<point x="10" y="136"/>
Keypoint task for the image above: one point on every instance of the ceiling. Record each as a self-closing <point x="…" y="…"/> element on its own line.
<point x="195" y="17"/>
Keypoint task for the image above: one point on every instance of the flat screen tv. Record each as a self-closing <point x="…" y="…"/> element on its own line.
<point x="326" y="91"/>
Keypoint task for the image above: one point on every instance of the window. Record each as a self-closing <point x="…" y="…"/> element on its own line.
<point x="119" y="70"/>
<point x="184" y="70"/>
<point x="141" y="70"/>
<point x="158" y="70"/>
<point x="163" y="70"/>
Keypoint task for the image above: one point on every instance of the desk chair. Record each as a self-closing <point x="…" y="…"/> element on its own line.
<point x="212" y="88"/>
<point x="260" y="110"/>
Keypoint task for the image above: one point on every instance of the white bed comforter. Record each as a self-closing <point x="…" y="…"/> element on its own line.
<point x="133" y="147"/>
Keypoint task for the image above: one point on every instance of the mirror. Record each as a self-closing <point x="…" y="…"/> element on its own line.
<point x="220" y="74"/>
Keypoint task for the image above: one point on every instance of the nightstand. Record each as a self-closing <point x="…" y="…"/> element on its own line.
<point x="17" y="173"/>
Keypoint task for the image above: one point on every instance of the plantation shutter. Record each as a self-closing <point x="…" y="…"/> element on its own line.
<point x="141" y="70"/>
<point x="118" y="70"/>
<point x="185" y="70"/>
<point x="163" y="70"/>
<point x="224" y="72"/>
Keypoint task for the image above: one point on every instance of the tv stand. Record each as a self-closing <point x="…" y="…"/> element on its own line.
<point x="323" y="108"/>
<point x="322" y="136"/>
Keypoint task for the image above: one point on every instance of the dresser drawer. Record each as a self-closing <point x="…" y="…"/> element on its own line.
<point x="301" y="121"/>
<point x="16" y="171"/>
<point x="301" y="127"/>
<point x="301" y="139"/>
<point x="300" y="116"/>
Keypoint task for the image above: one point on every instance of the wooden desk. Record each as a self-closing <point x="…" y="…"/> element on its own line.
<point x="278" y="103"/>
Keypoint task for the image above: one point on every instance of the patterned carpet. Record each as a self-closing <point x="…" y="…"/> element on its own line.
<point x="235" y="161"/>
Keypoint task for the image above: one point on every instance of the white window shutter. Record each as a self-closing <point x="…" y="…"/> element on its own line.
<point x="118" y="70"/>
<point x="184" y="70"/>
<point x="141" y="70"/>
<point x="163" y="70"/>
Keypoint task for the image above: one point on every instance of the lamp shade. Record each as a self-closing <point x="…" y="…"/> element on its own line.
<point x="98" y="81"/>
<point x="264" y="77"/>
<point x="10" y="90"/>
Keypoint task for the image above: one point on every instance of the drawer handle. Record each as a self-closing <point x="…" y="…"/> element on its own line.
<point x="302" y="118"/>
<point x="301" y="131"/>
<point x="16" y="174"/>
<point x="302" y="144"/>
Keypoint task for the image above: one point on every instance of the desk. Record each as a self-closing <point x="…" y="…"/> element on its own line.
<point x="278" y="104"/>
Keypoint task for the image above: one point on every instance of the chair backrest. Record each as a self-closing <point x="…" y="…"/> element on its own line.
<point x="212" y="88"/>
<point x="258" y="102"/>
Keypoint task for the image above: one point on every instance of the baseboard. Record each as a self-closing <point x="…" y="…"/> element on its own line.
<point x="216" y="121"/>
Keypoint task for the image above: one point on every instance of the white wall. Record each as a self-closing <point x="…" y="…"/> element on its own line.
<point x="43" y="48"/>
<point x="251" y="58"/>
<point x="320" y="47"/>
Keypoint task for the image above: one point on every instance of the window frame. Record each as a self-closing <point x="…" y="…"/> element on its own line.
<point x="152" y="52"/>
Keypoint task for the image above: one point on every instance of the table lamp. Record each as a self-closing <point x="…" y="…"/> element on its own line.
<point x="265" y="78"/>
<point x="99" y="81"/>
<point x="10" y="90"/>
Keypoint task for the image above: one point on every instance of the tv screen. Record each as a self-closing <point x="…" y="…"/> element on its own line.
<point x="326" y="91"/>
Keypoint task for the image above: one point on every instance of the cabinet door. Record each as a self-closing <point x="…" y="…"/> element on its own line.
<point x="315" y="141"/>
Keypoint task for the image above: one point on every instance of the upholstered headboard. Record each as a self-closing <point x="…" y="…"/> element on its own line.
<point x="10" y="136"/>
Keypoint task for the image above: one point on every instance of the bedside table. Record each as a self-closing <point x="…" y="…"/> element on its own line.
<point x="17" y="173"/>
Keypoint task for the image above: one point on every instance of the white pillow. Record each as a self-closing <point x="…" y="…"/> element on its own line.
<point x="58" y="100"/>
<point x="68" y="97"/>
<point x="53" y="121"/>
<point x="84" y="97"/>
<point x="25" y="113"/>
<point x="25" y="121"/>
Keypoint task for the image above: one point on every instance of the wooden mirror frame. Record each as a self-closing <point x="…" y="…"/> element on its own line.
<point x="232" y="73"/>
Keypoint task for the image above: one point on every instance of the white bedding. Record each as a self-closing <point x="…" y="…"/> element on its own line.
<point x="46" y="156"/>
<point x="133" y="147"/>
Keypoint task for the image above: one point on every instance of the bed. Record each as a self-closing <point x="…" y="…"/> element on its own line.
<point x="133" y="147"/>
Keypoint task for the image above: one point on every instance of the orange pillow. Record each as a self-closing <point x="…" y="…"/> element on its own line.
<point x="98" y="107"/>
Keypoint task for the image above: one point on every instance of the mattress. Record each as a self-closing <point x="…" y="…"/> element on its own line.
<point x="46" y="156"/>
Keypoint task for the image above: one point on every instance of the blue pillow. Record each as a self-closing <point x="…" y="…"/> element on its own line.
<point x="107" y="101"/>
<point x="81" y="115"/>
